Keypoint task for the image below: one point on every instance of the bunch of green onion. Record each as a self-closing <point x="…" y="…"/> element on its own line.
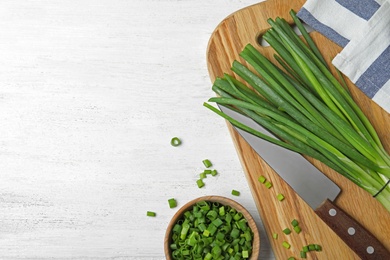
<point x="308" y="108"/>
<point x="210" y="230"/>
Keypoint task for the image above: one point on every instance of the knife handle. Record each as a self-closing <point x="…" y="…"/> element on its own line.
<point x="360" y="240"/>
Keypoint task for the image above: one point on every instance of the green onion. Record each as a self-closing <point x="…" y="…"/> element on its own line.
<point x="303" y="254"/>
<point x="200" y="183"/>
<point x="207" y="171"/>
<point x="207" y="163"/>
<point x="172" y="203"/>
<point x="280" y="197"/>
<point x="311" y="247"/>
<point x="202" y="175"/>
<point x="286" y="245"/>
<point x="262" y="179"/>
<point x="275" y="235"/>
<point x="212" y="214"/>
<point x="221" y="211"/>
<point x="214" y="172"/>
<point x="150" y="213"/>
<point x="208" y="256"/>
<point x="287" y="231"/>
<point x="184" y="231"/>
<point x="291" y="258"/>
<point x="235" y="193"/>
<point x="268" y="184"/>
<point x="297" y="229"/>
<point x="237" y="216"/>
<point x="294" y="223"/>
<point x="305" y="107"/>
<point x="222" y="234"/>
<point x="175" y="141"/>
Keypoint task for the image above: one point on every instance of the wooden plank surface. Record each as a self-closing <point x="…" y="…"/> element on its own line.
<point x="228" y="39"/>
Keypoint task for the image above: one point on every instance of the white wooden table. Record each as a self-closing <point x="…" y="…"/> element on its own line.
<point x="91" y="93"/>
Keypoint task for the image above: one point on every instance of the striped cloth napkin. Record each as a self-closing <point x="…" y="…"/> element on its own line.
<point x="362" y="28"/>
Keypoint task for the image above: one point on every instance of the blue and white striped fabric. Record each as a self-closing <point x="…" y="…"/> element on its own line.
<point x="362" y="28"/>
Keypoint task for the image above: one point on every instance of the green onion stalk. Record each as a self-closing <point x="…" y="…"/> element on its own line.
<point x="308" y="109"/>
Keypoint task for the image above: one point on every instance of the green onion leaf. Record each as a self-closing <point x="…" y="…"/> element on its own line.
<point x="235" y="193"/>
<point x="280" y="197"/>
<point x="150" y="214"/>
<point x="175" y="141"/>
<point x="287" y="231"/>
<point x="207" y="163"/>
<point x="200" y="183"/>
<point x="172" y="203"/>
<point x="285" y="244"/>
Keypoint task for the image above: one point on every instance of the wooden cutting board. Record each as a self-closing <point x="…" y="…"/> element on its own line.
<point x="227" y="41"/>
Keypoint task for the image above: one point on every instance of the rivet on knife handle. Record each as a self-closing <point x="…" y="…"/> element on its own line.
<point x="360" y="240"/>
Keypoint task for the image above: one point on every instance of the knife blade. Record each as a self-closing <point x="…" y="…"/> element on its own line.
<point x="315" y="188"/>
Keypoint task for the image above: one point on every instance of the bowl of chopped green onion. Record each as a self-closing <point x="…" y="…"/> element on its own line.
<point x="212" y="227"/>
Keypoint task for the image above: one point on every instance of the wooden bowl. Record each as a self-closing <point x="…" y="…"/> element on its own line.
<point x="222" y="201"/>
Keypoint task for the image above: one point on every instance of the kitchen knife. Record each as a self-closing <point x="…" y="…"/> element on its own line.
<point x="314" y="188"/>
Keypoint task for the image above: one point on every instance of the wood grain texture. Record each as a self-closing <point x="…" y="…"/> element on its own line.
<point x="362" y="242"/>
<point x="229" y="38"/>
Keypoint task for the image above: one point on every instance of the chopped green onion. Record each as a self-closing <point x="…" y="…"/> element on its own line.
<point x="287" y="231"/>
<point x="217" y="222"/>
<point x="220" y="236"/>
<point x="176" y="229"/>
<point x="184" y="231"/>
<point x="214" y="172"/>
<point x="294" y="223"/>
<point x="211" y="231"/>
<point x="216" y="251"/>
<point x="175" y="141"/>
<point x="297" y="229"/>
<point x="212" y="228"/>
<point x="242" y="224"/>
<point x="268" y="184"/>
<point x="207" y="163"/>
<point x="211" y="215"/>
<point x="312" y="247"/>
<point x="207" y="171"/>
<point x="317" y="247"/>
<point x="202" y="175"/>
<point x="221" y="211"/>
<point x="262" y="179"/>
<point x="150" y="213"/>
<point x="275" y="235"/>
<point x="303" y="254"/>
<point x="280" y="197"/>
<point x="193" y="238"/>
<point x="200" y="183"/>
<point x="235" y="193"/>
<point x="238" y="216"/>
<point x="172" y="203"/>
<point x="235" y="233"/>
<point x="305" y="249"/>
<point x="286" y="245"/>
<point x="291" y="258"/>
